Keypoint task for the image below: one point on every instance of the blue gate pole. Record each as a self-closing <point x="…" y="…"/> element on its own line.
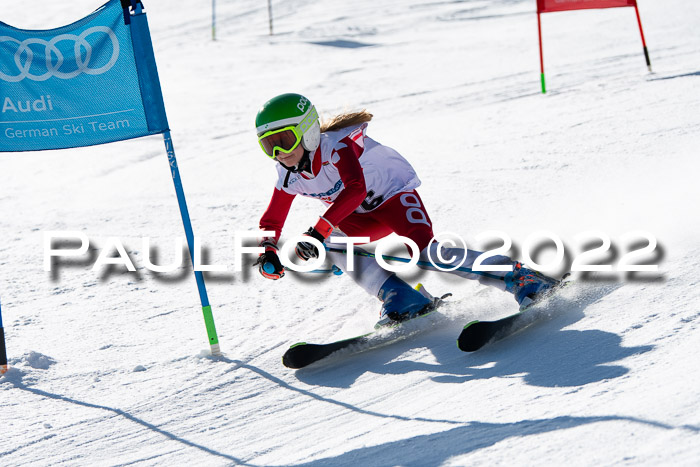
<point x="206" y="308"/>
<point x="3" y="352"/>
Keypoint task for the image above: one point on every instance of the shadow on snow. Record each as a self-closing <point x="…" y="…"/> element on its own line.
<point x="545" y="354"/>
<point x="437" y="448"/>
<point x="16" y="380"/>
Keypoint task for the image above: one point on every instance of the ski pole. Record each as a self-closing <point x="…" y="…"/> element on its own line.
<point x="335" y="270"/>
<point x="419" y="263"/>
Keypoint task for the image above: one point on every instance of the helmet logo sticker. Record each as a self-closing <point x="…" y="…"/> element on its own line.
<point x="302" y="103"/>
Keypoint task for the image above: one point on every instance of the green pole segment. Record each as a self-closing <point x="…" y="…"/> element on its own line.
<point x="184" y="213"/>
<point x="544" y="88"/>
<point x="209" y="323"/>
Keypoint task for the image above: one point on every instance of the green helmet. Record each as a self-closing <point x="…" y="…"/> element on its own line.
<point x="290" y="110"/>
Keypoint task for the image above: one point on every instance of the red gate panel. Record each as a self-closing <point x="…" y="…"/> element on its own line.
<point x="545" y="6"/>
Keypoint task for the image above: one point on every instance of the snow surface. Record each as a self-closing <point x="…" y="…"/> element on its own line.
<point x="112" y="368"/>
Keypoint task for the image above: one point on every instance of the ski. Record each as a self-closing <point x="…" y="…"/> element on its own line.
<point x="477" y="334"/>
<point x="303" y="354"/>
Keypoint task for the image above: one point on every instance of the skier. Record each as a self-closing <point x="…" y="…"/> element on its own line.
<point x="371" y="192"/>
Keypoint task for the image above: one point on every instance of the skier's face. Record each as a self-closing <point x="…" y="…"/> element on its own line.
<point x="293" y="158"/>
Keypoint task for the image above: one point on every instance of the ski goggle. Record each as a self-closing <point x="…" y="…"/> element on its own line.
<point x="284" y="140"/>
<point x="287" y="138"/>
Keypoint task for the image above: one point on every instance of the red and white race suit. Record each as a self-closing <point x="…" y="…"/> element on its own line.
<point x="370" y="191"/>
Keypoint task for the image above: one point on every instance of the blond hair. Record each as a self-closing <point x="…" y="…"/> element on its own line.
<point x="346" y="119"/>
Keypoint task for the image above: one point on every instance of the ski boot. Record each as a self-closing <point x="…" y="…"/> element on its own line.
<point x="401" y="302"/>
<point x="528" y="286"/>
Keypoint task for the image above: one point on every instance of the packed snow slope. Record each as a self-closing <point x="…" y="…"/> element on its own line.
<point x="110" y="367"/>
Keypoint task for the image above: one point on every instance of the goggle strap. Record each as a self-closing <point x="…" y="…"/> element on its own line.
<point x="308" y="121"/>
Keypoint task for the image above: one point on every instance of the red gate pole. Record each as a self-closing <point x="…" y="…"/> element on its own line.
<point x="539" y="32"/>
<point x="641" y="31"/>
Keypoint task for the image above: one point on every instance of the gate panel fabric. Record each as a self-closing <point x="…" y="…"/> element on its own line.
<point x="545" y="6"/>
<point x="88" y="83"/>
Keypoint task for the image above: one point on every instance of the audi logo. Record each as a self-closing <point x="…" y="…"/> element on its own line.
<point x="54" y="58"/>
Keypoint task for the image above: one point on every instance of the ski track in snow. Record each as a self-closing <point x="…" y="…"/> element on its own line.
<point x="110" y="367"/>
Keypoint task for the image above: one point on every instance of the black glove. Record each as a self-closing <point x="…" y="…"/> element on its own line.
<point x="307" y="250"/>
<point x="269" y="263"/>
